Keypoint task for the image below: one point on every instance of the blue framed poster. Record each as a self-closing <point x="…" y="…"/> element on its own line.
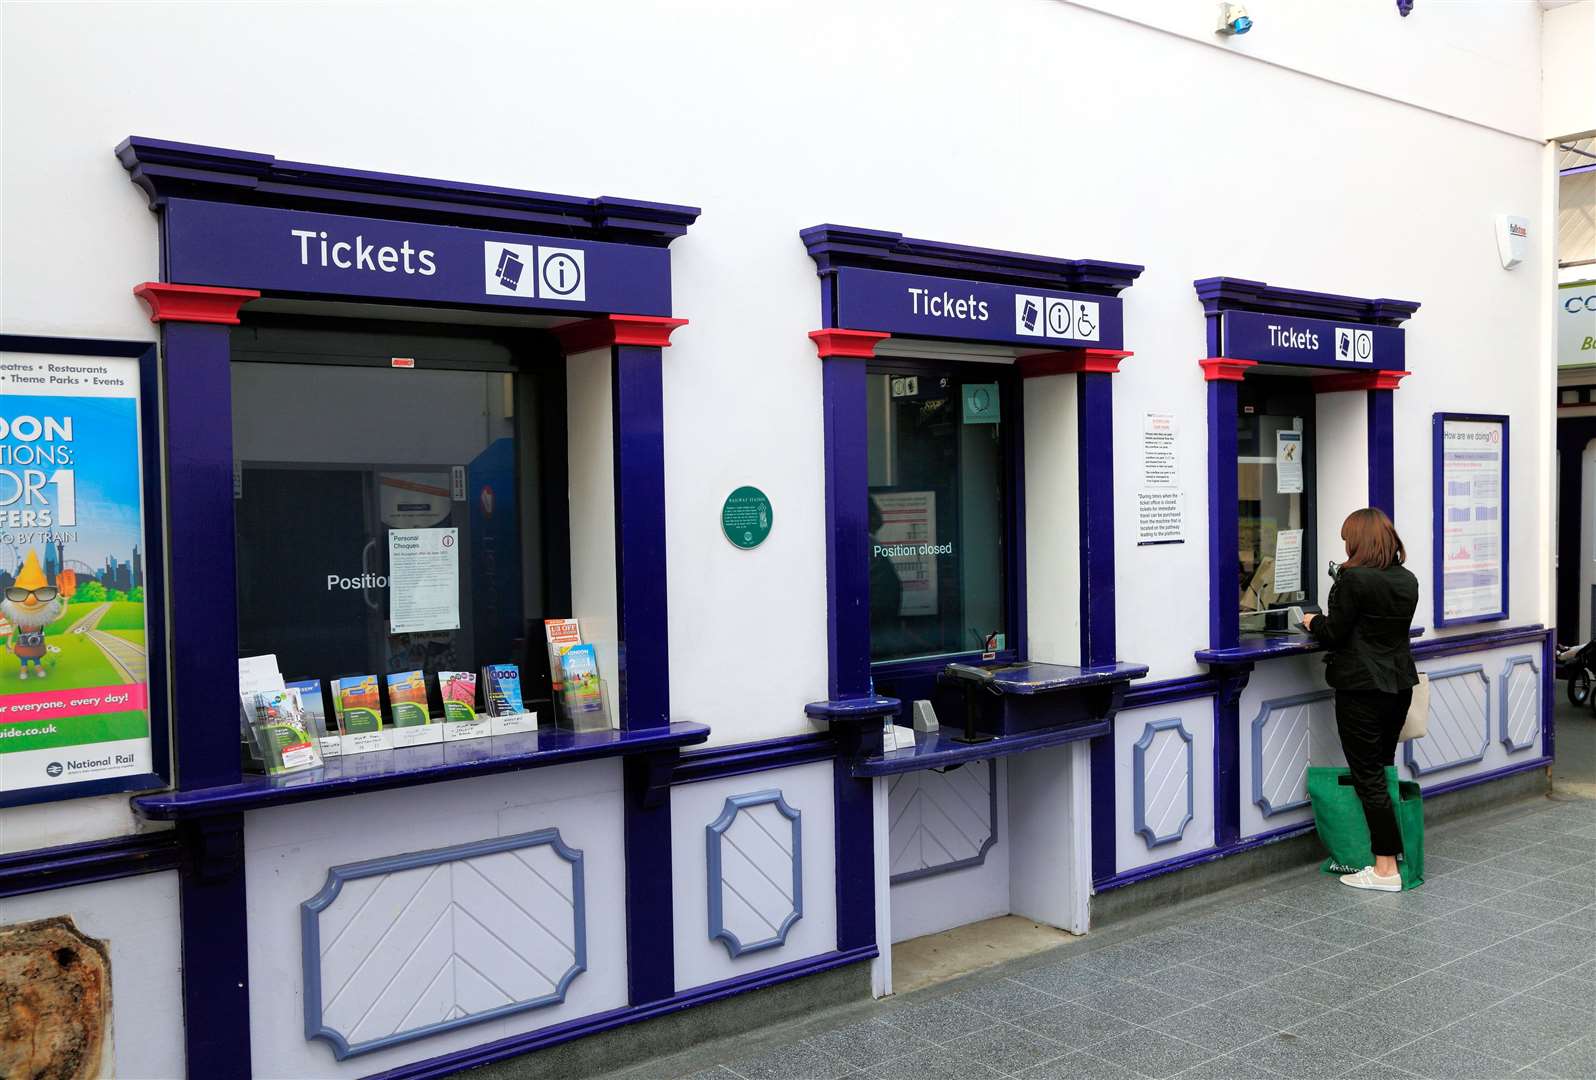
<point x="81" y="702"/>
<point x="1470" y="517"/>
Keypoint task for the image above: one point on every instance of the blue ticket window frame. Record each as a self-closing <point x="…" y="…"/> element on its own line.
<point x="1266" y="405"/>
<point x="956" y="397"/>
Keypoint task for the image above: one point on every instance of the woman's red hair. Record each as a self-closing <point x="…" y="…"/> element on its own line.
<point x="1371" y="539"/>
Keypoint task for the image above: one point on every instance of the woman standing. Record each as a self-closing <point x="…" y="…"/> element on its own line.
<point x="1371" y="669"/>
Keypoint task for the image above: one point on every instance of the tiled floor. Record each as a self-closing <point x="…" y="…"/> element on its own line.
<point x="1486" y="971"/>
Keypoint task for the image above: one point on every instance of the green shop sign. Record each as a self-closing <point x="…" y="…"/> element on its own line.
<point x="746" y="517"/>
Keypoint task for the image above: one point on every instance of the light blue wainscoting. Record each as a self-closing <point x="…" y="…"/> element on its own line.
<point x="1459" y="729"/>
<point x="941" y="821"/>
<point x="403" y="947"/>
<point x="755" y="872"/>
<point x="1519" y="702"/>
<point x="1161" y="771"/>
<point x="1280" y="750"/>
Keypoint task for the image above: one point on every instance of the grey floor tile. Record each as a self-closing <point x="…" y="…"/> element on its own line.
<point x="1539" y="908"/>
<point x="1523" y="949"/>
<point x="718" y="1072"/>
<point x="1485" y="840"/>
<point x="1327" y="896"/>
<point x="1384" y="914"/>
<point x="1495" y="971"/>
<point x="1446" y="931"/>
<point x="860" y="1045"/>
<point x="1490" y="917"/>
<point x="1576" y="939"/>
<point x="1067" y="981"/>
<point x="1074" y="1026"/>
<point x="1360" y="1034"/>
<point x="1190" y="983"/>
<point x="1268" y="913"/>
<point x="1570" y="849"/>
<point x="1459" y="849"/>
<point x="1321" y="987"/>
<point x="1152" y="1053"/>
<point x="1127" y="961"/>
<point x="1237" y="1066"/>
<point x="1436" y="865"/>
<point x="1521" y="1029"/>
<point x="1377" y="973"/>
<point x="1005" y="999"/>
<point x="1222" y="931"/>
<point x="1304" y="1058"/>
<point x="1568" y="990"/>
<point x="1413" y="951"/>
<point x="1246" y="965"/>
<point x="1428" y="1003"/>
<point x="1214" y="1029"/>
<point x="1007" y="1048"/>
<point x="1526" y="862"/>
<point x="1081" y="1066"/>
<point x="1585" y="916"/>
<point x="1463" y="887"/>
<point x="1338" y="931"/>
<point x="1295" y="947"/>
<point x="1576" y="1062"/>
<point x="1268" y="1006"/>
<point x="800" y="1061"/>
<point x="1438" y="1058"/>
<point x="936" y="1021"/>
<point x="930" y="1064"/>
<point x="1138" y="1004"/>
<point x="1418" y="901"/>
<point x="1178" y="946"/>
<point x="1575" y="892"/>
<point x="1377" y="1070"/>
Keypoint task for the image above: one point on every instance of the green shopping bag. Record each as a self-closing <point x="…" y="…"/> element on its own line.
<point x="1338" y="815"/>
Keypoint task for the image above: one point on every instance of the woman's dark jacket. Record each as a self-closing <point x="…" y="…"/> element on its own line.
<point x="1365" y="627"/>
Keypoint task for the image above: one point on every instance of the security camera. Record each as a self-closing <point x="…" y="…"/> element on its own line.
<point x="1233" y="19"/>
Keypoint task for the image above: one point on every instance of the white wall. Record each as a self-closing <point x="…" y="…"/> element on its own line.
<point x="1042" y="127"/>
<point x="1568" y="71"/>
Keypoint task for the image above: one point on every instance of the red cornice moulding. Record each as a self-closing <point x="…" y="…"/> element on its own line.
<point x="651" y="331"/>
<point x="1221" y="368"/>
<point x="193" y="303"/>
<point x="1358" y="380"/>
<point x="856" y="344"/>
<point x="1072" y="362"/>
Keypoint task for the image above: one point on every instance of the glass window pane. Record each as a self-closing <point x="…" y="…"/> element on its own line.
<point x="329" y="458"/>
<point x="1275" y="488"/>
<point x="937" y="514"/>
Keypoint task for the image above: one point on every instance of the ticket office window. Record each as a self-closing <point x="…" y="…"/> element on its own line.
<point x="1275" y="478"/>
<point x="343" y="438"/>
<point x="942" y="513"/>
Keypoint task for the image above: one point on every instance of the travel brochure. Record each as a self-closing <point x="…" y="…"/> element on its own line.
<point x="579" y="693"/>
<point x="284" y="725"/>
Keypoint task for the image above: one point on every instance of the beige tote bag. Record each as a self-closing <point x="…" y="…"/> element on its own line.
<point x="1418" y="721"/>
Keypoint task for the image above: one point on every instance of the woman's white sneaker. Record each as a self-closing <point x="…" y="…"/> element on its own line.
<point x="1368" y="879"/>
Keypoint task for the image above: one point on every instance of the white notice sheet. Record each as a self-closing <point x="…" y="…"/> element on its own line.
<point x="1288" y="561"/>
<point x="1158" y="450"/>
<point x="1288" y="462"/>
<point x="423" y="580"/>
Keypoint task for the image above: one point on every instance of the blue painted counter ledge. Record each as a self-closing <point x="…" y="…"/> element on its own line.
<point x="358" y="774"/>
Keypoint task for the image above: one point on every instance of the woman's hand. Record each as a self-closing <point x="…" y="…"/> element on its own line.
<point x="1307" y="620"/>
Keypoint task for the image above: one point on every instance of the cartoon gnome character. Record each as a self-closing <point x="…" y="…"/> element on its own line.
<point x="31" y="604"/>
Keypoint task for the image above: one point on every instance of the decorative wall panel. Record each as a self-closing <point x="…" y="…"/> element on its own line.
<point x="407" y="946"/>
<point x="941" y="821"/>
<point x="1162" y="774"/>
<point x="1280" y="750"/>
<point x="1519" y="703"/>
<point x="1460" y="722"/>
<point x="755" y="871"/>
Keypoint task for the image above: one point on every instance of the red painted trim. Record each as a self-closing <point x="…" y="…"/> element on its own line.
<point x="653" y="331"/>
<point x="1217" y="368"/>
<point x="859" y="344"/>
<point x="1071" y="362"/>
<point x="193" y="303"/>
<point x="1358" y="380"/>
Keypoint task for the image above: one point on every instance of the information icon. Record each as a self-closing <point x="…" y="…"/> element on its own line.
<point x="562" y="274"/>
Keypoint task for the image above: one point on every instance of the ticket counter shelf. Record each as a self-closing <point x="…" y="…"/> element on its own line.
<point x="1255" y="647"/>
<point x="407" y="767"/>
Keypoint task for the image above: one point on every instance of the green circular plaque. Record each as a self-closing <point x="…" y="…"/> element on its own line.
<point x="746" y="517"/>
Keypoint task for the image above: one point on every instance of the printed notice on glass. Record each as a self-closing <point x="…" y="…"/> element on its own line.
<point x="1472" y="518"/>
<point x="907" y="538"/>
<point x="1160" y="518"/>
<point x="1288" y="561"/>
<point x="1158" y="450"/>
<point x="1288" y="462"/>
<point x="423" y="580"/>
